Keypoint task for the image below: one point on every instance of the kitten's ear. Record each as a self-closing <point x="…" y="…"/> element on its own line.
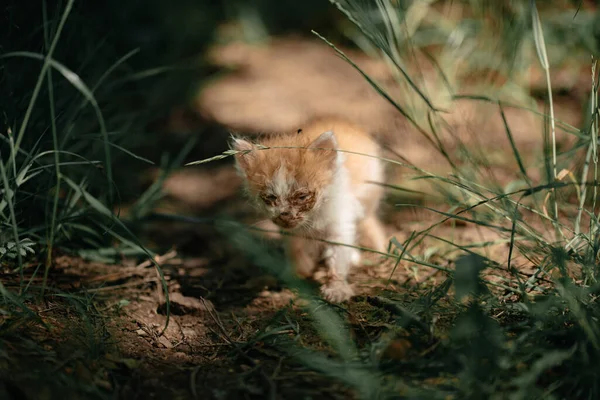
<point x="326" y="140"/>
<point x="245" y="155"/>
<point x="239" y="144"/>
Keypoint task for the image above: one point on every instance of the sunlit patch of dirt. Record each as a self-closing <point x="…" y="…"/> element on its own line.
<point x="277" y="86"/>
<point x="199" y="189"/>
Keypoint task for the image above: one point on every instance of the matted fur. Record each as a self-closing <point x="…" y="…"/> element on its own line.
<point x="304" y="184"/>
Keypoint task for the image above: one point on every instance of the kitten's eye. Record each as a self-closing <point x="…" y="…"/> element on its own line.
<point x="270" y="198"/>
<point x="303" y="196"/>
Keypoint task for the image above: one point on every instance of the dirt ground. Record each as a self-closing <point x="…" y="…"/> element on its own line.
<point x="223" y="307"/>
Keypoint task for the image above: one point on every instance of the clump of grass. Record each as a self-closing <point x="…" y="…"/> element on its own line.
<point x="548" y="329"/>
<point x="76" y="106"/>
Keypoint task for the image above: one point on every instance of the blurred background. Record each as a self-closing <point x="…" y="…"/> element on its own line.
<point x="103" y="104"/>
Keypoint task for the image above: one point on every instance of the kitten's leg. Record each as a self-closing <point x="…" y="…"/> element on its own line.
<point x="328" y="253"/>
<point x="373" y="233"/>
<point x="339" y="262"/>
<point x="303" y="254"/>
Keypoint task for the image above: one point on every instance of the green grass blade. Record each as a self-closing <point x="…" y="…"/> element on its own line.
<point x="42" y="75"/>
<point x="76" y="81"/>
<point x="379" y="89"/>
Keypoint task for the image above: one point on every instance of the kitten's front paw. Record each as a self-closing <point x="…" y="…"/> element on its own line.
<point x="337" y="291"/>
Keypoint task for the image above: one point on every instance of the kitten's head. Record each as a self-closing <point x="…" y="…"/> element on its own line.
<point x="288" y="185"/>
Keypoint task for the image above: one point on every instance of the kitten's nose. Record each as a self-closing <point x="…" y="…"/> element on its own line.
<point x="285" y="214"/>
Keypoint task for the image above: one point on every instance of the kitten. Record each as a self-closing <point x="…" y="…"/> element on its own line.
<point x="316" y="192"/>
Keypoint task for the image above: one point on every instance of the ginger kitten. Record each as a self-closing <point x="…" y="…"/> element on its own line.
<point x="316" y="192"/>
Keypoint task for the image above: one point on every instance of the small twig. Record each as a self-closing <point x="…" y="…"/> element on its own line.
<point x="159" y="259"/>
<point x="217" y="321"/>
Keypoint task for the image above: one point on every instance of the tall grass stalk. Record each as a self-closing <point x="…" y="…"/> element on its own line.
<point x="42" y="75"/>
<point x="540" y="45"/>
<point x="592" y="153"/>
<point x="594" y="131"/>
<point x="53" y="222"/>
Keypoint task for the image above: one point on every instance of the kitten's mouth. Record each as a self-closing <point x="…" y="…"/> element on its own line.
<point x="287" y="224"/>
